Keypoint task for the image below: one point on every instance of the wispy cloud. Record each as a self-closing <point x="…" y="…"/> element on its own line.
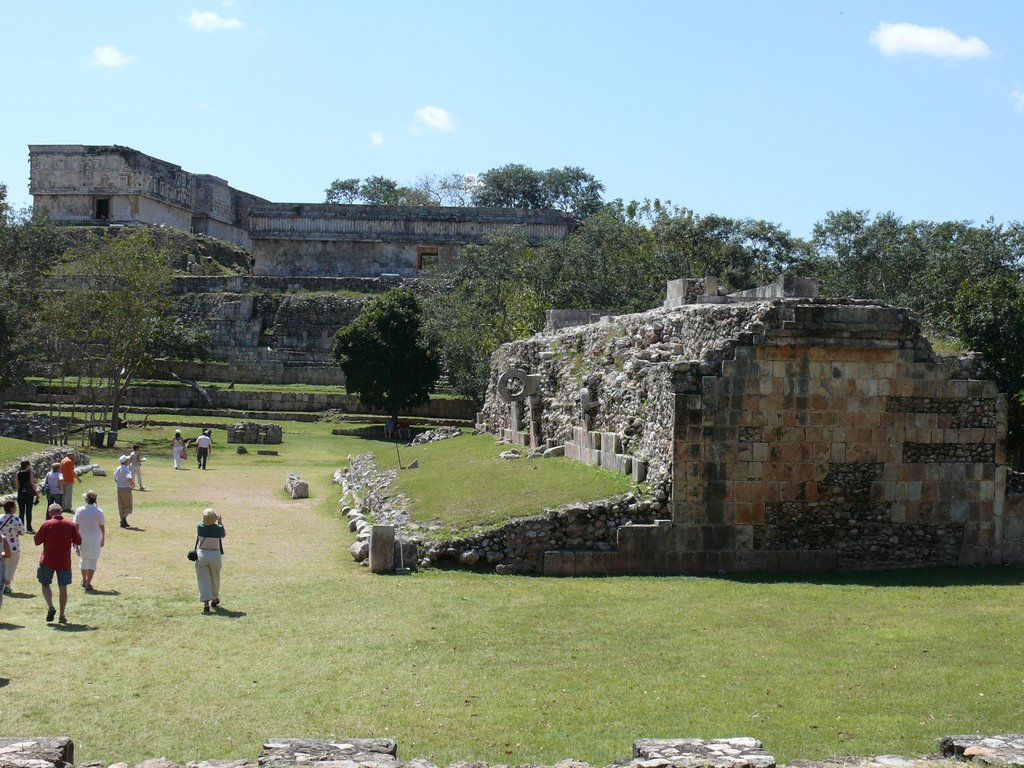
<point x="377" y="138"/>
<point x="208" y="21"/>
<point x="1017" y="97"/>
<point x="434" y="117"/>
<point x="898" y="39"/>
<point x="110" y="56"/>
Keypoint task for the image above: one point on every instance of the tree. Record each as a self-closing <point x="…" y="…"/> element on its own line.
<point x="570" y="189"/>
<point x="374" y="190"/>
<point x="114" y="310"/>
<point x="495" y="295"/>
<point x="29" y="251"/>
<point x="387" y="360"/>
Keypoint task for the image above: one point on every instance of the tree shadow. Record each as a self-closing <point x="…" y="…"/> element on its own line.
<point x="987" y="576"/>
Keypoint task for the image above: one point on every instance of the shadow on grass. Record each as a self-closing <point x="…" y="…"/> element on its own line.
<point x="21" y="595"/>
<point x="988" y="576"/>
<point x="4" y="682"/>
<point x="5" y="625"/>
<point x="221" y="611"/>
<point x="105" y="592"/>
<point x="72" y="627"/>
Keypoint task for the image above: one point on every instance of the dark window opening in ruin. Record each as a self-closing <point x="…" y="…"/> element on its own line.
<point x="426" y="259"/>
<point x="102" y="208"/>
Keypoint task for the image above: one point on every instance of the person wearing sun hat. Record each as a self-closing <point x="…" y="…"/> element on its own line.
<point x="210" y="550"/>
<point x="92" y="527"/>
<point x="125" y="482"/>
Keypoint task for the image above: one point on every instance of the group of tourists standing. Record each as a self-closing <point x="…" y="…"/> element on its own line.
<point x="85" y="534"/>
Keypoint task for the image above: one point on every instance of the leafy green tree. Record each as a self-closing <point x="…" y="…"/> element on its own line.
<point x="989" y="318"/>
<point x="608" y="262"/>
<point x="113" y="310"/>
<point x="374" y="190"/>
<point x="29" y="250"/>
<point x="859" y="257"/>
<point x="495" y="295"/>
<point x="570" y="189"/>
<point x="388" y="361"/>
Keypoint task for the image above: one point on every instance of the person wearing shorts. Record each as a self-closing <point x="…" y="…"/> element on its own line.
<point x="57" y="536"/>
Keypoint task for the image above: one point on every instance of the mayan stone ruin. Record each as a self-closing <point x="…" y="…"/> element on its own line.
<point x="790" y="432"/>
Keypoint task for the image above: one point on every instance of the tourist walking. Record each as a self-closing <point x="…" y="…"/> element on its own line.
<point x="136" y="464"/>
<point x="210" y="535"/>
<point x="67" y="471"/>
<point x="203" y="445"/>
<point x="125" y="482"/>
<point x="5" y="554"/>
<point x="178" y="448"/>
<point x="27" y="490"/>
<point x="56" y="536"/>
<point x="53" y="485"/>
<point x="12" y="527"/>
<point x="92" y="527"/>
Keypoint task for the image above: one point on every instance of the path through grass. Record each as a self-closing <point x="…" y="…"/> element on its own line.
<point x="501" y="669"/>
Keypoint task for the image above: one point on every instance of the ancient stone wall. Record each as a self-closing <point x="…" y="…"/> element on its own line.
<point x="794" y="434"/>
<point x="627" y="365"/>
<point x="1005" y="749"/>
<point x="370" y="240"/>
<point x="78" y="184"/>
<point x="184" y="397"/>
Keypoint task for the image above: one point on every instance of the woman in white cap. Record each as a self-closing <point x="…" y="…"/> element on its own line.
<point x="210" y="549"/>
<point x="177" y="448"/>
<point x="91" y="524"/>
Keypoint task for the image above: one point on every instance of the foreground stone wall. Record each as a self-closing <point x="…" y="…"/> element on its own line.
<point x="731" y="752"/>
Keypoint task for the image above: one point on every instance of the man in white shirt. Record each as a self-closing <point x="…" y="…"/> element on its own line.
<point x="203" y="444"/>
<point x="125" y="482"/>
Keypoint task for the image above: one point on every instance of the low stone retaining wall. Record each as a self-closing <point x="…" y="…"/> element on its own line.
<point x="735" y="752"/>
<point x="180" y="396"/>
<point x="41" y="463"/>
<point x="520" y="546"/>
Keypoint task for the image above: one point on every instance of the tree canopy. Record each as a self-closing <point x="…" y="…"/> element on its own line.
<point x="387" y="359"/>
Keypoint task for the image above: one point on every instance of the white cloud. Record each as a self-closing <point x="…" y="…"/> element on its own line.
<point x="110" y="56"/>
<point x="208" y="21"/>
<point x="377" y="138"/>
<point x="434" y="117"/>
<point x="896" y="39"/>
<point x="1017" y="97"/>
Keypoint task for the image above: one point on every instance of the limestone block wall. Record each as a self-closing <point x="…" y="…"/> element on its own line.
<point x="833" y="441"/>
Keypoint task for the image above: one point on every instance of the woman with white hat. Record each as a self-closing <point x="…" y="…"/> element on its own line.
<point x="210" y="549"/>
<point x="93" y="526"/>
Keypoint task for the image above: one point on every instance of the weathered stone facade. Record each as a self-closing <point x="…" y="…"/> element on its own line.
<point x="375" y="240"/>
<point x="77" y="184"/>
<point x="795" y="433"/>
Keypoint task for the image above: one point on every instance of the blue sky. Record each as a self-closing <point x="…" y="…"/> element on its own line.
<point x="782" y="110"/>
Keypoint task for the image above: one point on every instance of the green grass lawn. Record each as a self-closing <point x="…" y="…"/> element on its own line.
<point x="467" y="666"/>
<point x="12" y="450"/>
